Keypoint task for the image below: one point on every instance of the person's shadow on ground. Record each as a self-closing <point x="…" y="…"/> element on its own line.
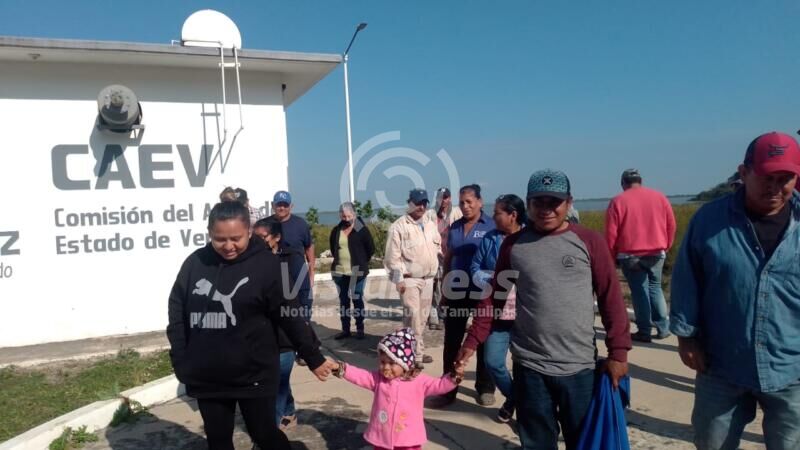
<point x="152" y="433"/>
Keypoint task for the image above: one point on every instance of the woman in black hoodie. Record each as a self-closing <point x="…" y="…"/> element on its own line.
<point x="224" y="311"/>
<point x="352" y="248"/>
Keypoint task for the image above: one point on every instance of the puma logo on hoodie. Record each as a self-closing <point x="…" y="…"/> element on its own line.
<point x="203" y="287"/>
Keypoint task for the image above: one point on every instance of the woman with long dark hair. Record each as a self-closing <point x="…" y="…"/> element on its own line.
<point x="509" y="217"/>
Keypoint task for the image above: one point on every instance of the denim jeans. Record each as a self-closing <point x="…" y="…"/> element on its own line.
<point x="722" y="410"/>
<point x="644" y="278"/>
<point x="284" y="402"/>
<point x="544" y="402"/>
<point x="495" y="353"/>
<point x="351" y="289"/>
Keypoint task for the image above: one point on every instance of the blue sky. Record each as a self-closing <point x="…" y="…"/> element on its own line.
<point x="676" y="89"/>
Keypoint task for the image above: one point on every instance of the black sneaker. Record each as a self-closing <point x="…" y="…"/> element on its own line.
<point x="427" y="359"/>
<point x="505" y="414"/>
<point x="360" y="335"/>
<point x="641" y="337"/>
<point x="342" y="335"/>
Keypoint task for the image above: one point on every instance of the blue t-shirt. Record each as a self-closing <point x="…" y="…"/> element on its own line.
<point x="463" y="247"/>
<point x="296" y="235"/>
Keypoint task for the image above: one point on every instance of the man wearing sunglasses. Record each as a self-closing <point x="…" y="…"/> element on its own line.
<point x="558" y="268"/>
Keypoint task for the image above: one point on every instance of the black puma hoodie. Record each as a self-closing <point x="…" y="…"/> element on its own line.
<point x="223" y="324"/>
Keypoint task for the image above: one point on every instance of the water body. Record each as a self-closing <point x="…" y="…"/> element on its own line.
<point x="598" y="204"/>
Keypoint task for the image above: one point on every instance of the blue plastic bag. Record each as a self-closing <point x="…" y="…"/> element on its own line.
<point x="604" y="425"/>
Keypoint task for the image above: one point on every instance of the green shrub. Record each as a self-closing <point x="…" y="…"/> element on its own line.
<point x="129" y="411"/>
<point x="72" y="439"/>
<point x="312" y="216"/>
<point x="321" y="235"/>
<point x="379" y="231"/>
<point x="365" y="211"/>
<point x="385" y="214"/>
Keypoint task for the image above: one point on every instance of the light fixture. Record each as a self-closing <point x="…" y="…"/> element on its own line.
<point x="118" y="109"/>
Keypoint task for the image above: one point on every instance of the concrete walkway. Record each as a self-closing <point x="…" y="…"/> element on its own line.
<point x="333" y="415"/>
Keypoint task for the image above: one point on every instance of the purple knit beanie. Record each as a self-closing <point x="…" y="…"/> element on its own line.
<point x="399" y="345"/>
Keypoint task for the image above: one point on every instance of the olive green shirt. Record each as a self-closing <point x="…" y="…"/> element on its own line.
<point x="345" y="267"/>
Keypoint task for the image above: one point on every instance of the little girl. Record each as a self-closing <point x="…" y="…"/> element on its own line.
<point x="400" y="389"/>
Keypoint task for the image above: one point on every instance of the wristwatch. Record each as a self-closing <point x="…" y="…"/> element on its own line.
<point x="339" y="370"/>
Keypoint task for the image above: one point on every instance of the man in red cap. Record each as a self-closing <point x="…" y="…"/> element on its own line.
<point x="736" y="302"/>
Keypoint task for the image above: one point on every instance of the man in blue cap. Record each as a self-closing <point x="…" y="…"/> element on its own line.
<point x="296" y="234"/>
<point x="412" y="253"/>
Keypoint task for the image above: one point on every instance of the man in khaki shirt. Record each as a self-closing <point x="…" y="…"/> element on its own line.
<point x="412" y="253"/>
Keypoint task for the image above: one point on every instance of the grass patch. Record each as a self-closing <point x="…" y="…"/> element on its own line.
<point x="71" y="439"/>
<point x="129" y="411"/>
<point x="30" y="397"/>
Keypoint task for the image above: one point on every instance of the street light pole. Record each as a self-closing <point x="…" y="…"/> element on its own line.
<point x="360" y="27"/>
<point x="349" y="135"/>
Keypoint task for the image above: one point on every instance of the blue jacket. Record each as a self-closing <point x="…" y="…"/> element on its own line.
<point x="482" y="267"/>
<point x="743" y="308"/>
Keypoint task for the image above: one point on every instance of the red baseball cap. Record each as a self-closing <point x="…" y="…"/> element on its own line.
<point x="773" y="152"/>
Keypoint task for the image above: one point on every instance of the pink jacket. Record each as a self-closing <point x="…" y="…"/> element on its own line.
<point x="396" y="419"/>
<point x="639" y="222"/>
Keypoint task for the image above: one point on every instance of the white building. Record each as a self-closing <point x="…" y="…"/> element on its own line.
<point x="95" y="223"/>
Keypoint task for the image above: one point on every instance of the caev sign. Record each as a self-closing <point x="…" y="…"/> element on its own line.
<point x="112" y="166"/>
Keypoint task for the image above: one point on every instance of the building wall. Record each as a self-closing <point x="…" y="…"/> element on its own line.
<point x="47" y="292"/>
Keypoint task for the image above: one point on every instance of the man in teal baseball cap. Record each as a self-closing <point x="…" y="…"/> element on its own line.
<point x="549" y="199"/>
<point x="558" y="269"/>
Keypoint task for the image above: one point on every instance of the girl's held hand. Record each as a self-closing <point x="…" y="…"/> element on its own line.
<point x="458" y="373"/>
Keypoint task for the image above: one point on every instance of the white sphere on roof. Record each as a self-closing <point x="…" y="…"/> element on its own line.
<point x="209" y="28"/>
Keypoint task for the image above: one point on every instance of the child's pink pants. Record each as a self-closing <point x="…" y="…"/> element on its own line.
<point x="416" y="447"/>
